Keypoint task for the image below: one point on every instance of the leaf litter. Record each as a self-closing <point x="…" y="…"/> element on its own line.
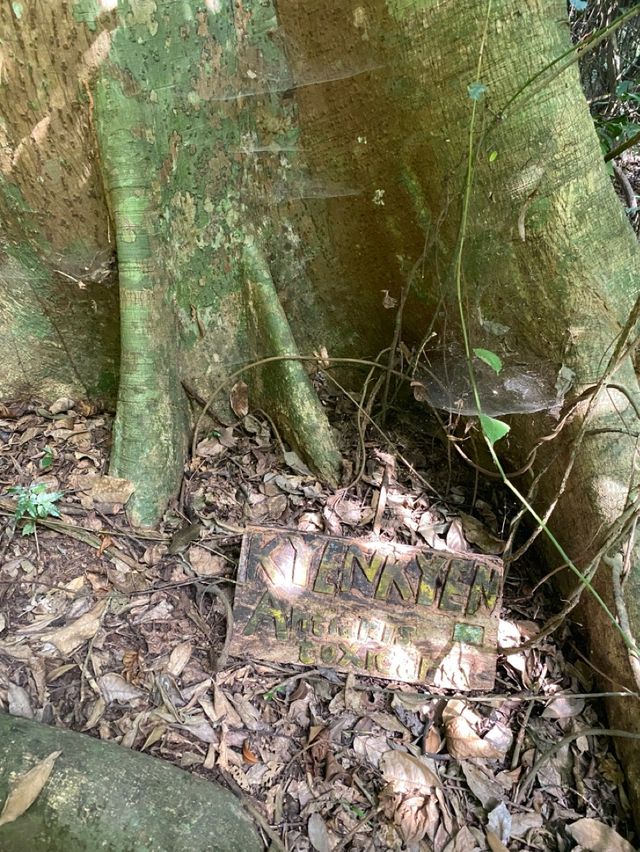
<point x="121" y="634"/>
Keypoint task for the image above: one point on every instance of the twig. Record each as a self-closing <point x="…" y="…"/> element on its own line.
<point x="622" y="147"/>
<point x="629" y="194"/>
<point x="223" y="656"/>
<point x="515" y="759"/>
<point x="616" y="565"/>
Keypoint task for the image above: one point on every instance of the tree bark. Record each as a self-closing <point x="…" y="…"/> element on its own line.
<point x="101" y="795"/>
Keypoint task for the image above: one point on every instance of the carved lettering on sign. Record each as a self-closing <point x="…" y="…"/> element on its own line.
<point x="388" y="610"/>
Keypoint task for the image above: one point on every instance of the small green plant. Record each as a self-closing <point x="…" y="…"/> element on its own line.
<point x="34" y="502"/>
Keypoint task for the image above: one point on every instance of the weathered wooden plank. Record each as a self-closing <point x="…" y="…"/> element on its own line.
<point x="369" y="607"/>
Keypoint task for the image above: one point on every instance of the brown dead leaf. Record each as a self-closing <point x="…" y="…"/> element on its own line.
<point x="476" y="532"/>
<point x="63" y="404"/>
<point x="69" y="638"/>
<point x="563" y="707"/>
<point x="412" y="814"/>
<point x="318" y="833"/>
<point x="207" y="564"/>
<point x="597" y="837"/>
<point x="455" y="539"/>
<point x="27" y="789"/>
<point x="405" y="772"/>
<point x="179" y="658"/>
<point x="104" y="489"/>
<point x="494" y="842"/>
<point x="239" y="399"/>
<point x="463" y="741"/>
<point x="247" y="753"/>
<point x="115" y="688"/>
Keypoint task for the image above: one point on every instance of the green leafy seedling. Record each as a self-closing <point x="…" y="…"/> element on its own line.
<point x="34" y="502"/>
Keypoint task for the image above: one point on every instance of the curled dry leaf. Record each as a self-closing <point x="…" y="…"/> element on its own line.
<point x="404" y="771"/>
<point x="62" y="404"/>
<point x="114" y="687"/>
<point x="483" y="785"/>
<point x="476" y="532"/>
<point x="248" y="754"/>
<point x="207" y="564"/>
<point x="239" y="399"/>
<point x="179" y="658"/>
<point x="594" y="836"/>
<point x="27" y="789"/>
<point x="563" y="707"/>
<point x="68" y="639"/>
<point x="463" y="741"/>
<point x="412" y="814"/>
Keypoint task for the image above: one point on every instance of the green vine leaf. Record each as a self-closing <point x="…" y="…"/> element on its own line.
<point x="493" y="429"/>
<point x="490" y="359"/>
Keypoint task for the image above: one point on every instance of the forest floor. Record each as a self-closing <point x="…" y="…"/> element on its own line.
<point x="122" y="634"/>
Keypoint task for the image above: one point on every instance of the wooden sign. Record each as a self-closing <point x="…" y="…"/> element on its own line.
<point x="369" y="607"/>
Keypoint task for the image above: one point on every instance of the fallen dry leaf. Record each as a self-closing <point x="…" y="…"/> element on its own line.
<point x="406" y="772"/>
<point x="239" y="399"/>
<point x="207" y="564"/>
<point x="563" y="707"/>
<point x="115" y="688"/>
<point x="69" y="638"/>
<point x="247" y="753"/>
<point x="103" y="488"/>
<point x="594" y="836"/>
<point x="318" y="834"/>
<point x="27" y="789"/>
<point x="482" y="784"/>
<point x="476" y="532"/>
<point x="463" y="742"/>
<point x="179" y="658"/>
<point x="495" y="844"/>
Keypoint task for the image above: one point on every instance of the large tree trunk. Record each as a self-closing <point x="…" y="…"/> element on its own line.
<point x="248" y="221"/>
